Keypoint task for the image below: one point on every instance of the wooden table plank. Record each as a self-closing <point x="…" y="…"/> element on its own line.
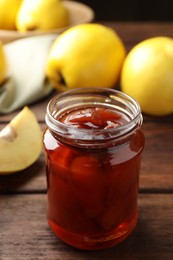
<point x="132" y="32"/>
<point x="156" y="167"/>
<point x="25" y="233"/>
<point x="157" y="163"/>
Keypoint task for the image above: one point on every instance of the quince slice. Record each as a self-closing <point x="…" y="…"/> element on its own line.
<point x="20" y="142"/>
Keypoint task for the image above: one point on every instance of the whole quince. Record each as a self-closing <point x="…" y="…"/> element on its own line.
<point x="41" y="15"/>
<point x="147" y="75"/>
<point x="86" y="55"/>
<point x="3" y="65"/>
<point x="8" y="12"/>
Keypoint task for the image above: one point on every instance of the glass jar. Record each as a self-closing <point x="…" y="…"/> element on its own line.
<point x="93" y="169"/>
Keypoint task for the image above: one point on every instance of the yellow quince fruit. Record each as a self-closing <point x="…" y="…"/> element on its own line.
<point x="8" y="12"/>
<point x="42" y="15"/>
<point x="147" y="75"/>
<point x="86" y="55"/>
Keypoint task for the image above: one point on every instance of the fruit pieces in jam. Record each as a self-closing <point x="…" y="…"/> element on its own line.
<point x="93" y="118"/>
<point x="92" y="192"/>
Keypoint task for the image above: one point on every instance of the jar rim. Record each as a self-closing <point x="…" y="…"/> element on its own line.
<point x="81" y="135"/>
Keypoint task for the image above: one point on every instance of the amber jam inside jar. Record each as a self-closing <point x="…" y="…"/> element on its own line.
<point x="93" y="147"/>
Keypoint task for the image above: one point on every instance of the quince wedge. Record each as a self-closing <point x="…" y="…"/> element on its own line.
<point x="20" y="142"/>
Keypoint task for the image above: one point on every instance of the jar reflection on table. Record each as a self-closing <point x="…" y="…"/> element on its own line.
<point x="93" y="173"/>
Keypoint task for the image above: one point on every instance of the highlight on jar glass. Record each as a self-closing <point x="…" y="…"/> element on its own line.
<point x="93" y="145"/>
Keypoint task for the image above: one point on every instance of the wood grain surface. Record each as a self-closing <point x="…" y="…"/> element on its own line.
<point x="26" y="235"/>
<point x="24" y="231"/>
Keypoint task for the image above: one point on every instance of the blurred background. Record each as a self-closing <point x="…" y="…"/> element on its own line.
<point x="133" y="10"/>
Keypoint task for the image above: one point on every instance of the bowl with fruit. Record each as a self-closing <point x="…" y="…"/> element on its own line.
<point x="24" y="18"/>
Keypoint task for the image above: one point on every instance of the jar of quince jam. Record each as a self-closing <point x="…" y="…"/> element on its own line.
<point x="93" y="145"/>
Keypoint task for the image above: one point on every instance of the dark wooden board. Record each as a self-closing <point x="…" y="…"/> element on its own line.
<point x="25" y="234"/>
<point x="156" y="166"/>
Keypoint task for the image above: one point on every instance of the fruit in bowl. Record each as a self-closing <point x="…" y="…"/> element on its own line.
<point x="76" y="13"/>
<point x="86" y="55"/>
<point x="41" y="15"/>
<point x="8" y="12"/>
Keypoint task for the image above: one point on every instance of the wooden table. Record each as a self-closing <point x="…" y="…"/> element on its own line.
<point x="24" y="232"/>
